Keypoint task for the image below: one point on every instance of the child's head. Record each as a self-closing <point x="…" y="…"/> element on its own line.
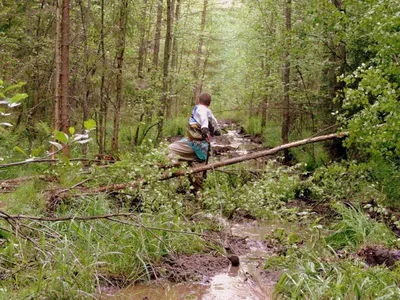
<point x="205" y="99"/>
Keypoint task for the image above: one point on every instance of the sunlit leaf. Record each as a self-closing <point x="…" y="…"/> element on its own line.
<point x="18" y="97"/>
<point x="15" y="86"/>
<point x="71" y="130"/>
<point x="90" y="124"/>
<point x="61" y="136"/>
<point x="18" y="149"/>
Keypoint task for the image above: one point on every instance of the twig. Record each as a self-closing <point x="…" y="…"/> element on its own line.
<point x="39" y="160"/>
<point x="74" y="186"/>
<point x="67" y="218"/>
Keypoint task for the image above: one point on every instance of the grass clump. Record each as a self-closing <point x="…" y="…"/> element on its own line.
<point x="324" y="267"/>
<point x="356" y="228"/>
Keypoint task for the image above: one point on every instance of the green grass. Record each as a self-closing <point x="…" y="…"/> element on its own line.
<point x="356" y="229"/>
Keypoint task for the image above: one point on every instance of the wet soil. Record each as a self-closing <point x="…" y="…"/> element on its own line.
<point x="378" y="255"/>
<point x="235" y="275"/>
<point x="196" y="267"/>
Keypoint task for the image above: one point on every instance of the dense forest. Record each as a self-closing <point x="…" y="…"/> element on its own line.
<point x="307" y="95"/>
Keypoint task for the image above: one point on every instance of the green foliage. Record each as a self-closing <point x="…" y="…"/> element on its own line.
<point x="261" y="198"/>
<point x="374" y="125"/>
<point x="318" y="271"/>
<point x="312" y="156"/>
<point x="387" y="175"/>
<point x="314" y="277"/>
<point x="356" y="228"/>
<point x="347" y="181"/>
<point x="271" y="134"/>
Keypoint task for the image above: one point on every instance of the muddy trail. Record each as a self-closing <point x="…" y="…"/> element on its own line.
<point x="240" y="273"/>
<point x="237" y="275"/>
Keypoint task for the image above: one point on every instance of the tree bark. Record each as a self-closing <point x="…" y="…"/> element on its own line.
<point x="165" y="89"/>
<point x="157" y="35"/>
<point x="196" y="71"/>
<point x="286" y="79"/>
<point x="337" y="67"/>
<point x="122" y="24"/>
<point x="142" y="40"/>
<point x="85" y="89"/>
<point x="65" y="28"/>
<point x="101" y="131"/>
<point x="174" y="58"/>
<point x="57" y="60"/>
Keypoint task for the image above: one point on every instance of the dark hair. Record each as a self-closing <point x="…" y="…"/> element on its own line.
<point x="205" y="98"/>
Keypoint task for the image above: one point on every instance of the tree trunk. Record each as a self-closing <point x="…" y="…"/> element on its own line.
<point x="174" y="58"/>
<point x="157" y="35"/>
<point x="197" y="88"/>
<point x="165" y="88"/>
<point x="168" y="103"/>
<point x="85" y="90"/>
<point x="286" y="80"/>
<point x="337" y="67"/>
<point x="65" y="28"/>
<point x="103" y="103"/>
<point x="122" y="24"/>
<point x="57" y="61"/>
<point x="142" y="40"/>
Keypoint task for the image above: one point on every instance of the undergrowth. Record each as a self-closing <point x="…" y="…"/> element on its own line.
<point x="73" y="258"/>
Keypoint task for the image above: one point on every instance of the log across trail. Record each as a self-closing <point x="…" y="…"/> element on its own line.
<point x="231" y="161"/>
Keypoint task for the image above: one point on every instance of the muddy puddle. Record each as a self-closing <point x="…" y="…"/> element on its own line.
<point x="248" y="281"/>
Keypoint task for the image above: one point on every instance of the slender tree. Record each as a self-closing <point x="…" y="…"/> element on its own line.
<point x="286" y="78"/>
<point x="157" y="35"/>
<point x="166" y="64"/>
<point x="85" y="19"/>
<point x="197" y="71"/>
<point x="102" y="119"/>
<point x="121" y="43"/>
<point x="174" y="58"/>
<point x="65" y="29"/>
<point x="57" y="60"/>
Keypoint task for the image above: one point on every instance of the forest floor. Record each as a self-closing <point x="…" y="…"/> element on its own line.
<point x="310" y="234"/>
<point x="239" y="274"/>
<point x="248" y="242"/>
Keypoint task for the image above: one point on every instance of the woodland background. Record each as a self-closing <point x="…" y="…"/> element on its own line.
<point x="115" y="78"/>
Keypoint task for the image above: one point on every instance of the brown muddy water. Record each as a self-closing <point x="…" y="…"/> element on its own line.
<point x="247" y="282"/>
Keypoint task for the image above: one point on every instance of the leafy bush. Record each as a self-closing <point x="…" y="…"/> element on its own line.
<point x="262" y="198"/>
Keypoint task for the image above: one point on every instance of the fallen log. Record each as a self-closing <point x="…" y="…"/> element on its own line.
<point x="259" y="154"/>
<point x="231" y="161"/>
